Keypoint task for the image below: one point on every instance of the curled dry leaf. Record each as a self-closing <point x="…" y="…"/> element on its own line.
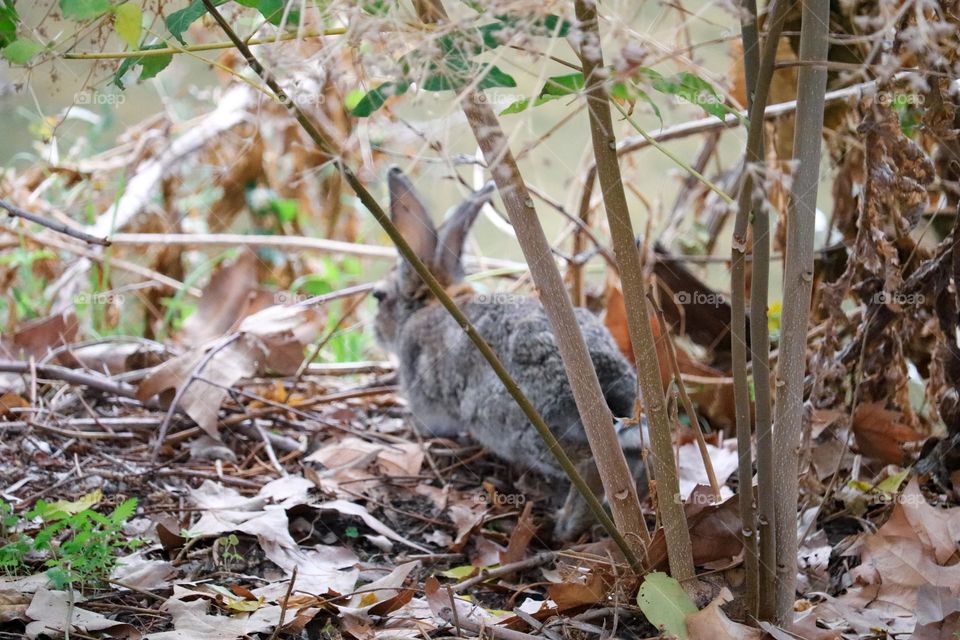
<point x="264" y="516"/>
<point x="225" y="301"/>
<point x="139" y="572"/>
<point x="881" y="433"/>
<point x="351" y="509"/>
<point x="909" y="559"/>
<point x="404" y="459"/>
<point x="691" y="469"/>
<point x="272" y="339"/>
<point x="51" y="610"/>
<point x="381" y="596"/>
<point x="711" y="623"/>
<point x="520" y="538"/>
<point x="13" y="605"/>
<point x="191" y="619"/>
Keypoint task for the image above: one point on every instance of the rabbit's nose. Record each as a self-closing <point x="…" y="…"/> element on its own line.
<point x="379" y="294"/>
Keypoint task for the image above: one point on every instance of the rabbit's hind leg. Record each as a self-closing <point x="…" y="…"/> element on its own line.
<point x="575" y="517"/>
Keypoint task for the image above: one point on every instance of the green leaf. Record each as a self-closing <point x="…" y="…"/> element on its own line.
<point x="562" y="85"/>
<point x="285" y="209"/>
<point x="59" y="577"/>
<point x="462" y="572"/>
<point x="374" y="99"/>
<point x="179" y="21"/>
<point x="21" y="51"/>
<point x="150" y="65"/>
<point x="554" y="88"/>
<point x="124" y="511"/>
<point x="128" y="21"/>
<point x="273" y="10"/>
<point x="630" y="92"/>
<point x="665" y="604"/>
<point x="72" y="507"/>
<point x="84" y="9"/>
<point x="516" y="107"/>
<point x="8" y="23"/>
<point x="375" y="8"/>
<point x="438" y="82"/>
<point x="891" y="484"/>
<point x="691" y="88"/>
<point x="353" y="97"/>
<point x="547" y="27"/>
<point x="495" y="77"/>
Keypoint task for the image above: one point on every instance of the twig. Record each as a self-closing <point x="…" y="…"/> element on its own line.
<point x="83" y="435"/>
<point x="59" y="227"/>
<point x="71" y="376"/>
<point x="706" y="125"/>
<point x="505" y="570"/>
<point x="687" y="404"/>
<point x="115" y="263"/>
<point x="283" y="607"/>
<point x="349" y="368"/>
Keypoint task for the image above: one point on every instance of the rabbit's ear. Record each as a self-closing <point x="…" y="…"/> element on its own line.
<point x="410" y="216"/>
<point x="453" y="234"/>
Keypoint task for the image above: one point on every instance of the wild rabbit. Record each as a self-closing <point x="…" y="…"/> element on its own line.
<point x="451" y="388"/>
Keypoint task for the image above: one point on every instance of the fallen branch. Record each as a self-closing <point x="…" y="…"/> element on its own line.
<point x="15" y="211"/>
<point x="71" y="376"/>
<point x="287" y="242"/>
<point x="505" y="570"/>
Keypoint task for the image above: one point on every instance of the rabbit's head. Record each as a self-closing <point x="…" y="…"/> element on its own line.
<point x="402" y="292"/>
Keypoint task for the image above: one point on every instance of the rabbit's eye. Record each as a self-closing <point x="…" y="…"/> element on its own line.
<point x="379" y="294"/>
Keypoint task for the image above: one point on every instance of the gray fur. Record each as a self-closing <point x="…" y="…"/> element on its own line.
<point x="451" y="388"/>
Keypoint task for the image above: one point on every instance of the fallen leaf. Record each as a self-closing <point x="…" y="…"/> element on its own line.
<point x="665" y="604"/>
<point x="191" y="620"/>
<point x="13" y="605"/>
<point x="50" y="610"/>
<point x="520" y="538"/>
<point x="10" y="401"/>
<point x="270" y="340"/>
<point x="225" y="301"/>
<point x="881" y="434"/>
<point x="711" y="623"/>
<point x="692" y="472"/>
<point x="351" y="509"/>
<point x="139" y="572"/>
<point x="36" y="338"/>
<point x="387" y="589"/>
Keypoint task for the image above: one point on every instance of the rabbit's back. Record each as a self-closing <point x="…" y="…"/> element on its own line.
<point x="451" y="388"/>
